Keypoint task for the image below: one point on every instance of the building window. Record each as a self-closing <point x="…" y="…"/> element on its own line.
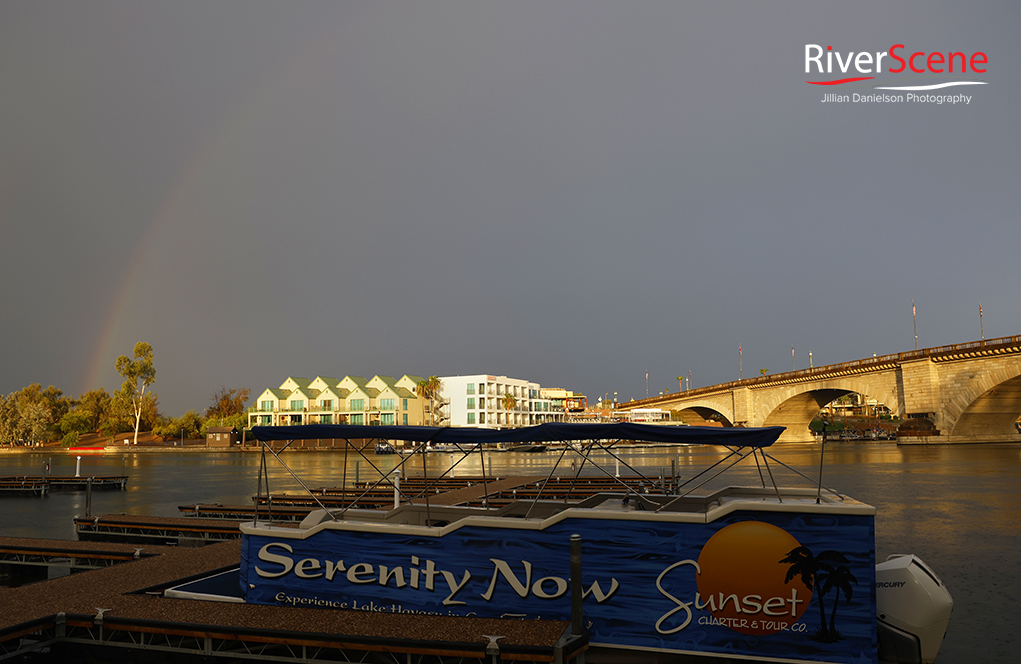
<point x="387" y="419"/>
<point x="387" y="404"/>
<point x="482" y="418"/>
<point x="326" y="419"/>
<point x="405" y="419"/>
<point x="471" y="403"/>
<point x="482" y="388"/>
<point x="405" y="407"/>
<point x="264" y="420"/>
<point x="356" y="404"/>
<point x="326" y="404"/>
<point x="267" y="405"/>
<point x="358" y="419"/>
<point x="471" y="418"/>
<point x="471" y="388"/>
<point x="297" y="404"/>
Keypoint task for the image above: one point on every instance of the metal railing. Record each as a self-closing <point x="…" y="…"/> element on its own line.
<point x="936" y="352"/>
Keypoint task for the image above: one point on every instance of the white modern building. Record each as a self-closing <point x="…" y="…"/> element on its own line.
<point x="493" y="402"/>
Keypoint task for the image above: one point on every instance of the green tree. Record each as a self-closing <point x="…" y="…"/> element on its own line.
<point x="32" y="414"/>
<point x="138" y="373"/>
<point x="95" y="405"/>
<point x="510" y="402"/>
<point x="76" y="422"/>
<point x="228" y="403"/>
<point x="189" y="425"/>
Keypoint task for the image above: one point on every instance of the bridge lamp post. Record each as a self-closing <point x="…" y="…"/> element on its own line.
<point x="811" y="364"/>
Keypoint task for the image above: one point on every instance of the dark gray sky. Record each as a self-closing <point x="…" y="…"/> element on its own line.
<point x="574" y="193"/>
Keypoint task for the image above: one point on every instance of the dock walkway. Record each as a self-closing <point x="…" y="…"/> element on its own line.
<point x="123" y="607"/>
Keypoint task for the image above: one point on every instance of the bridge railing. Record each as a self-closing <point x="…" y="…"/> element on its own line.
<point x="987" y="344"/>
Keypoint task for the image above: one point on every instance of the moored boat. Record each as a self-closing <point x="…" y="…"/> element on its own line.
<point x="766" y="572"/>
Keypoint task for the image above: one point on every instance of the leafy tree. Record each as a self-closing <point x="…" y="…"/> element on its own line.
<point x="95" y="405"/>
<point x="228" y="403"/>
<point x="31" y="415"/>
<point x="77" y="422"/>
<point x="8" y="419"/>
<point x="33" y="422"/>
<point x="189" y="425"/>
<point x="138" y="374"/>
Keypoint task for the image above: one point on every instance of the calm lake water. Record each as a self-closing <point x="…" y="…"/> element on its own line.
<point x="956" y="507"/>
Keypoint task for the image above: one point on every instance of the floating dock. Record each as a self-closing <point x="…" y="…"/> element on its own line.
<point x="184" y="532"/>
<point x="40" y="485"/>
<point x="122" y="611"/>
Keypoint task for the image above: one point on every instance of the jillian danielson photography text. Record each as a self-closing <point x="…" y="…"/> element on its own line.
<point x="883" y="98"/>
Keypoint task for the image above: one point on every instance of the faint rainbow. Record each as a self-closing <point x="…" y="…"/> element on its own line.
<point x="223" y="133"/>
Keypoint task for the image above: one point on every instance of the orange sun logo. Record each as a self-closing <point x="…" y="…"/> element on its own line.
<point x="742" y="581"/>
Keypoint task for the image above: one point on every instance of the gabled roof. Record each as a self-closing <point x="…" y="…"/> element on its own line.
<point x="304" y="392"/>
<point x="275" y="393"/>
<point x="380" y="382"/>
<point x="293" y="382"/>
<point x="332" y="391"/>
<point x="323" y="382"/>
<point x="356" y="381"/>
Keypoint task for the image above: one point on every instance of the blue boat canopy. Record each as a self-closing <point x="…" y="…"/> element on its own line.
<point x="541" y="433"/>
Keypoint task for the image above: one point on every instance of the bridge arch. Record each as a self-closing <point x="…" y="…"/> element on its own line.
<point x="985" y="405"/>
<point x="796" y="406"/>
<point x="703" y="415"/>
<point x="709" y="408"/>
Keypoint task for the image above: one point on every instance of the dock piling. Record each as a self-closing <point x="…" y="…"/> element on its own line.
<point x="577" y="623"/>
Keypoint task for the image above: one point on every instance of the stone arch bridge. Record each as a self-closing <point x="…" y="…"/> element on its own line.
<point x="970" y="393"/>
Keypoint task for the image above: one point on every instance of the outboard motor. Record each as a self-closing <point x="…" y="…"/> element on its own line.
<point x="913" y="609"/>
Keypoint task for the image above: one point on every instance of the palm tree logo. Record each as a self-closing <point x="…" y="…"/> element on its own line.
<point x="826" y="573"/>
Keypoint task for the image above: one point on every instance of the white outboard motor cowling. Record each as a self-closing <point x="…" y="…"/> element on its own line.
<point x="913" y="608"/>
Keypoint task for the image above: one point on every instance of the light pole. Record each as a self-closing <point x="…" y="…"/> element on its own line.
<point x="811" y="364"/>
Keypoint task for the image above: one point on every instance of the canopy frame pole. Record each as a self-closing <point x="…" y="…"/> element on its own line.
<point x="485" y="482"/>
<point x="383" y="475"/>
<point x="546" y="481"/>
<point x="773" y="481"/>
<point x="755" y="453"/>
<point x="606" y="448"/>
<point x="629" y="489"/>
<point x="343" y="481"/>
<point x="836" y="493"/>
<point x="822" y="454"/>
<point x="298" y="479"/>
<point x="258" y="487"/>
<point x="706" y="470"/>
<point x="740" y="457"/>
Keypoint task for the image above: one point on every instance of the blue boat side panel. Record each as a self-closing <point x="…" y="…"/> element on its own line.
<point x="759" y="584"/>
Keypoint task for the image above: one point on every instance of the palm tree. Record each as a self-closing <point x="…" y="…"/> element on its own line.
<point x="839" y="579"/>
<point x="813" y="569"/>
<point x="509" y="401"/>
<point x="427" y="389"/>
